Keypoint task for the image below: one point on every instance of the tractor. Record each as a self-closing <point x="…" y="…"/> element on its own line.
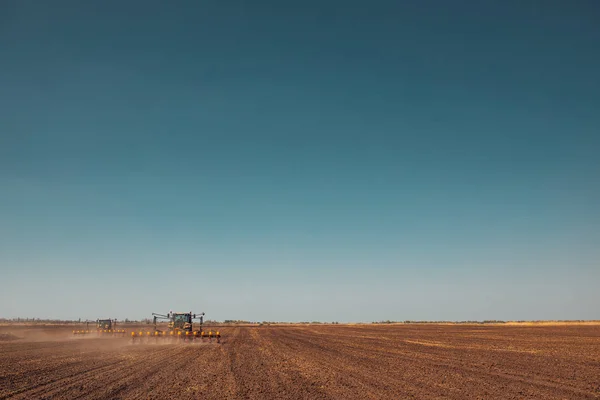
<point x="108" y="326"/>
<point x="180" y="327"/>
<point x="105" y="324"/>
<point x="103" y="327"/>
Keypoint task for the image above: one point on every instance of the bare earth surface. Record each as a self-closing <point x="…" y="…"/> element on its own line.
<point x="309" y="362"/>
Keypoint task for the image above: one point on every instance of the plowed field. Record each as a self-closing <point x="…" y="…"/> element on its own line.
<point x="310" y="362"/>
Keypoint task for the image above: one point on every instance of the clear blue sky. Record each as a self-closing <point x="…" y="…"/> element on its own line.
<point x="315" y="160"/>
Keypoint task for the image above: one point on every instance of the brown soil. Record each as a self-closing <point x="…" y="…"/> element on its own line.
<point x="8" y="336"/>
<point x="312" y="362"/>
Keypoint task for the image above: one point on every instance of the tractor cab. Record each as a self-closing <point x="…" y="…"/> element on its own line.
<point x="104" y="324"/>
<point x="181" y="322"/>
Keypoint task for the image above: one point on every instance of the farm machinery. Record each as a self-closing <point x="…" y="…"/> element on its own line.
<point x="180" y="326"/>
<point x="109" y="326"/>
<point x="103" y="327"/>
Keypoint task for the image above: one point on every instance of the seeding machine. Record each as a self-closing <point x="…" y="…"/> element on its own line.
<point x="105" y="327"/>
<point x="180" y="327"/>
